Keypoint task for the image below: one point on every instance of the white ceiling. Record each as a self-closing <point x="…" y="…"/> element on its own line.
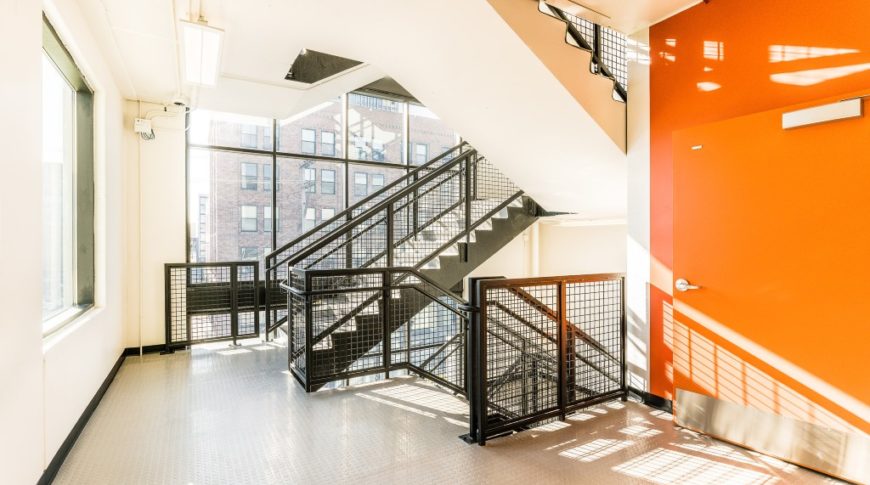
<point x="457" y="56"/>
<point x="628" y="16"/>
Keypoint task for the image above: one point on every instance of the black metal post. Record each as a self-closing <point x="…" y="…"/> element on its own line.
<point x="234" y="302"/>
<point x="348" y="245"/>
<point x="623" y="330"/>
<point x="309" y="330"/>
<point x="563" y="354"/>
<point x="467" y="196"/>
<point x="387" y="317"/>
<point x="481" y="363"/>
<point x="596" y="46"/>
<point x="167" y="304"/>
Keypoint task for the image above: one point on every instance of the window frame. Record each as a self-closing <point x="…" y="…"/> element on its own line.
<point x="324" y="182"/>
<point x="244" y="179"/>
<point x="323" y="144"/>
<point x="313" y="141"/>
<point x="242" y="218"/>
<point x="83" y="192"/>
<point x="357" y="185"/>
<point x="309" y="184"/>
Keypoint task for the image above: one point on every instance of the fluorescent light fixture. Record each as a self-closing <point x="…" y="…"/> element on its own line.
<point x="201" y="45"/>
<point x="850" y="108"/>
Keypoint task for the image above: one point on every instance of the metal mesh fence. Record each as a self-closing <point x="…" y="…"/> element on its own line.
<point x="610" y="48"/>
<point x="211" y="301"/>
<point x="544" y="347"/>
<point x="350" y="313"/>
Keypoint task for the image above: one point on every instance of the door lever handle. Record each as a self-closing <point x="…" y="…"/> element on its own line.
<point x="683" y="285"/>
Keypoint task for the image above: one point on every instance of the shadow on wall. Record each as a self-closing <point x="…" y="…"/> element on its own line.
<point x="704" y="366"/>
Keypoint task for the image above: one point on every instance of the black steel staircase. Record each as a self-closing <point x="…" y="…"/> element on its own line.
<point x="369" y="290"/>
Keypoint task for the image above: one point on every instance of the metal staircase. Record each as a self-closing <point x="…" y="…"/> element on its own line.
<point x="369" y="291"/>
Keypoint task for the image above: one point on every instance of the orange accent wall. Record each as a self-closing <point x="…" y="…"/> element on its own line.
<point x="726" y="59"/>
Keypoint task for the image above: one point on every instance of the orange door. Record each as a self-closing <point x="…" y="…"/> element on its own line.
<point x="773" y="225"/>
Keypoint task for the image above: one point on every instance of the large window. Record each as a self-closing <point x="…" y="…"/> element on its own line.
<point x="67" y="186"/>
<point x="376" y="126"/>
<point x="229" y="181"/>
<point x="426" y="131"/>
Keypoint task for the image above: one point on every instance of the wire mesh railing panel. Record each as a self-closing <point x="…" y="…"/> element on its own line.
<point x="594" y="313"/>
<point x="522" y="352"/>
<point x="613" y="54"/>
<point x="211" y="301"/>
<point x="297" y="337"/>
<point x="543" y="347"/>
<point x="608" y="44"/>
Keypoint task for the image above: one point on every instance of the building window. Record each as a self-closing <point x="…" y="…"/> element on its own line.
<point x="249" y="254"/>
<point x="327" y="143"/>
<point x="310" y="219"/>
<point x="327" y="181"/>
<point x="309" y="179"/>
<point x="309" y="140"/>
<point x="249" y="218"/>
<point x="326" y="214"/>
<point x="248" y="136"/>
<point x="267" y="177"/>
<point x="360" y="184"/>
<point x="359" y="144"/>
<point x="377" y="182"/>
<point x="249" y="176"/>
<point x="267" y="218"/>
<point x="67" y="186"/>
<point x="267" y="138"/>
<point x="421" y="153"/>
<point x="377" y="150"/>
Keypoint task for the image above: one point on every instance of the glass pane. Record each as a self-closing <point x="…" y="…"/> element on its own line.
<point x="368" y="179"/>
<point x="375" y="127"/>
<point x="217" y="203"/>
<point x="429" y="136"/>
<point x="57" y="191"/>
<point x="306" y="187"/>
<point x="230" y="130"/>
<point x="299" y="133"/>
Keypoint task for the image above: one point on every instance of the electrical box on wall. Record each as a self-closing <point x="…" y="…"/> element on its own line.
<point x="141" y="125"/>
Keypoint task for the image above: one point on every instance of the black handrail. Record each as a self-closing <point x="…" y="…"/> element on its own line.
<point x="359" y="204"/>
<point x="594" y="50"/>
<point x="342" y="230"/>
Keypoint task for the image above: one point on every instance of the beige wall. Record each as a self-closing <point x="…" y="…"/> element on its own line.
<point x="550" y="249"/>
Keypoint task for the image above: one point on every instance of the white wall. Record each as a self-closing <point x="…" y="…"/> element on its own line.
<point x="156" y="233"/>
<point x="573" y="250"/>
<point x="21" y="398"/>
<point x="46" y="384"/>
<point x="638" y="277"/>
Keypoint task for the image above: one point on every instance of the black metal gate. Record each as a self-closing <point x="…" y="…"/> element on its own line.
<point x="542" y="347"/>
<point x="211" y="301"/>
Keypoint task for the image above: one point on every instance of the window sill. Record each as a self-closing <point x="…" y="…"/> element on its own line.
<point x="60" y="321"/>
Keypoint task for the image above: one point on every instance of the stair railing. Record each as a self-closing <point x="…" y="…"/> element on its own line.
<point x="276" y="261"/>
<point x="595" y="45"/>
<point x="412" y="324"/>
<point x="539" y="348"/>
<point x="370" y="268"/>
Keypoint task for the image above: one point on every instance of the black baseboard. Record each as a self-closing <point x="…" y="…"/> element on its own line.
<point x="653" y="401"/>
<point x="146" y="349"/>
<point x="50" y="472"/>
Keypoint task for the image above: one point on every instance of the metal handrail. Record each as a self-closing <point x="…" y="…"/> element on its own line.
<point x="356" y="206"/>
<point x="596" y="59"/>
<point x="374" y="210"/>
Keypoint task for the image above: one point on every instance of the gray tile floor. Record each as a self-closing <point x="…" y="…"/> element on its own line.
<point x="235" y="416"/>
